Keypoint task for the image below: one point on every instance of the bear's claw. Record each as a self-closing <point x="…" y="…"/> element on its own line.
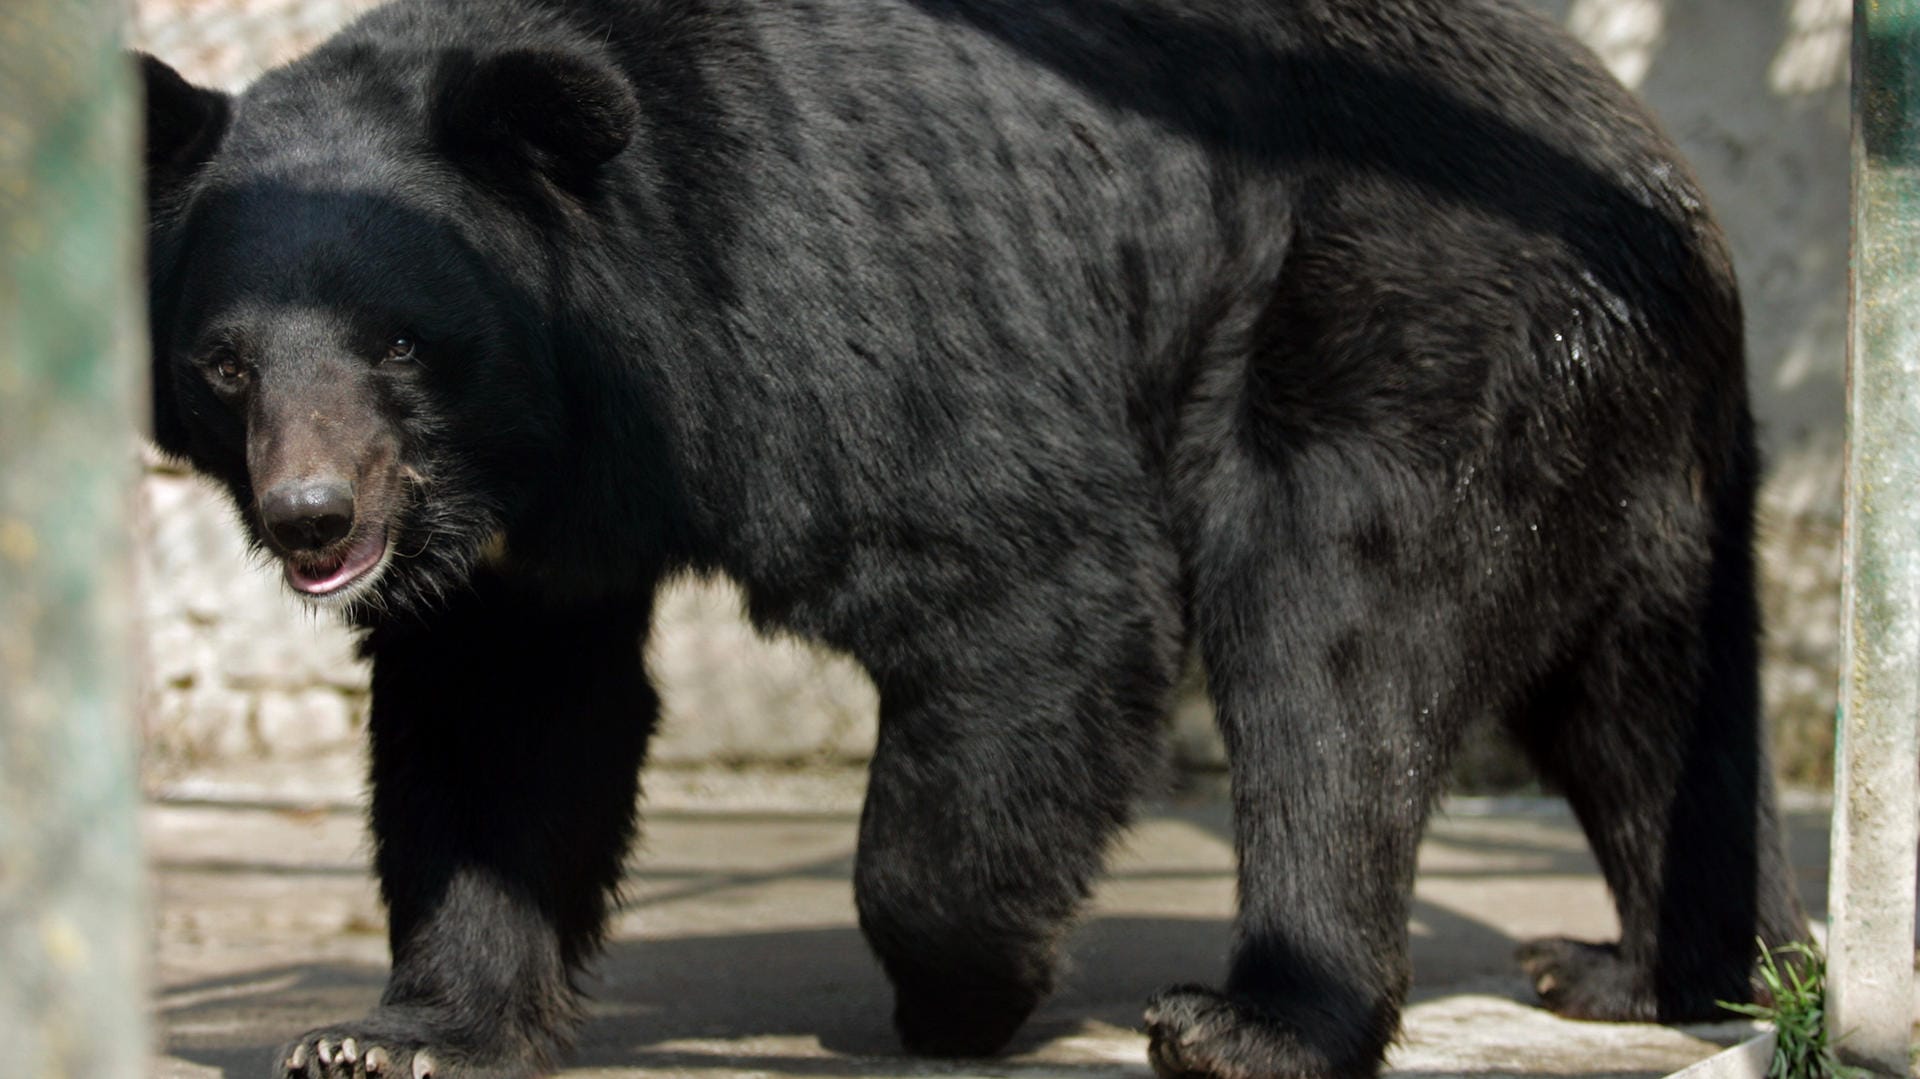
<point x="333" y="1057"/>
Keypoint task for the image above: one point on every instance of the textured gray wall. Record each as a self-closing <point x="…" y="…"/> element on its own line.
<point x="1755" y="91"/>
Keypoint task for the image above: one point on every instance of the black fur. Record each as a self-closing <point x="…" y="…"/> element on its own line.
<point x="1382" y="350"/>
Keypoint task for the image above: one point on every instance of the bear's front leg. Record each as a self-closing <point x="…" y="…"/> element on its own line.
<point x="507" y="741"/>
<point x="1006" y="762"/>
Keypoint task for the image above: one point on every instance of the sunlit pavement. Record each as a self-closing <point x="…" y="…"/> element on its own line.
<point x="737" y="954"/>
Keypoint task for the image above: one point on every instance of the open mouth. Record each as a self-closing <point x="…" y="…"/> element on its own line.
<point x="326" y="576"/>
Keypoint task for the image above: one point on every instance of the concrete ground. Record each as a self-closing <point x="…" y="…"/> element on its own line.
<point x="737" y="952"/>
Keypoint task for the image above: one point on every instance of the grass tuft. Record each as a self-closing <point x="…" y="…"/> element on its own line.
<point x="1797" y="1012"/>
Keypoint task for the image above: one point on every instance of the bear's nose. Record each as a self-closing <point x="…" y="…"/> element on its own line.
<point x="307" y="515"/>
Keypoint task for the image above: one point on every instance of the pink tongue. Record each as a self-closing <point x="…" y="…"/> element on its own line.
<point x="322" y="579"/>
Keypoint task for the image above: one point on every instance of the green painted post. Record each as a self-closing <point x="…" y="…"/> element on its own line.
<point x="73" y="929"/>
<point x="1876" y="820"/>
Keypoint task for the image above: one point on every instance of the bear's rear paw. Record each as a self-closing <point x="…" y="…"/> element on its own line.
<point x="377" y="1048"/>
<point x="1587" y="981"/>
<point x="1197" y="1033"/>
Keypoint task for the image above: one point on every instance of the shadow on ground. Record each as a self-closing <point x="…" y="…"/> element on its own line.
<point x="653" y="996"/>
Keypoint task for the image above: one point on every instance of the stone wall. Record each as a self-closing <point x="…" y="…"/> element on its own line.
<point x="1754" y="90"/>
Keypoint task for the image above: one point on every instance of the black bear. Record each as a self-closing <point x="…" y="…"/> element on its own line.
<point x="1382" y="351"/>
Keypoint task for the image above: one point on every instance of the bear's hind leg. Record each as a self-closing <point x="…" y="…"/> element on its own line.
<point x="507" y="742"/>
<point x="1337" y="642"/>
<point x="1653" y="731"/>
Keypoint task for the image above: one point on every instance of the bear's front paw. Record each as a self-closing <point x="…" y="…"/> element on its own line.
<point x="374" y="1049"/>
<point x="1587" y="981"/>
<point x="1197" y="1033"/>
<point x="962" y="1022"/>
<point x="337" y="1053"/>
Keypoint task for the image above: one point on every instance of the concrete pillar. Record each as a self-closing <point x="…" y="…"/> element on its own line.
<point x="1876" y="817"/>
<point x="73" y="930"/>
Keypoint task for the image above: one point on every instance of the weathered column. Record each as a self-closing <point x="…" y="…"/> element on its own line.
<point x="73" y="931"/>
<point x="1875" y="818"/>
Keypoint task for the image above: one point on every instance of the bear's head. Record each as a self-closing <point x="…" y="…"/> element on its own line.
<point x="352" y="281"/>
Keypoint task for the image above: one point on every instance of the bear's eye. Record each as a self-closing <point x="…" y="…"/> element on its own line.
<point x="228" y="366"/>
<point x="401" y="347"/>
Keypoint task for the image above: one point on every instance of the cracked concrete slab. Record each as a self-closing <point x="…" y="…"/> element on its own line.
<point x="736" y="952"/>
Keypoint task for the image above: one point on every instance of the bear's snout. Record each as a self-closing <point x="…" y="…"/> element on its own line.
<point x="308" y="515"/>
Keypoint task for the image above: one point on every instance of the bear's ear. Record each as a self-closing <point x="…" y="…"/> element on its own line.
<point x="185" y="124"/>
<point x="532" y="109"/>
